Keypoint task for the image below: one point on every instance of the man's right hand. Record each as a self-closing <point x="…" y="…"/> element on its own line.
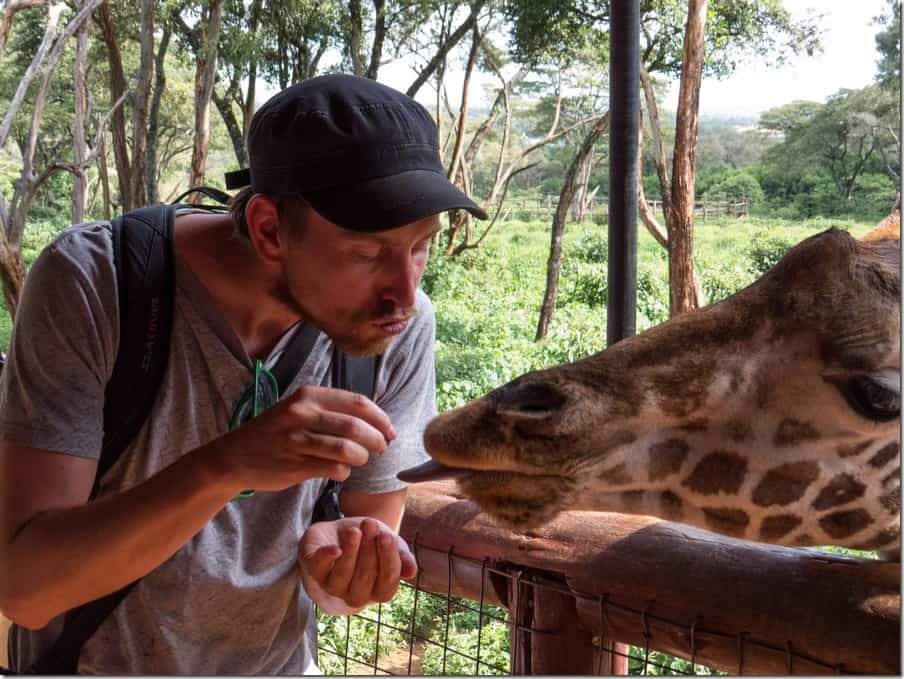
<point x="316" y="432"/>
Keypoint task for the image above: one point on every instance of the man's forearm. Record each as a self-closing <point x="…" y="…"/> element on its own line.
<point x="62" y="558"/>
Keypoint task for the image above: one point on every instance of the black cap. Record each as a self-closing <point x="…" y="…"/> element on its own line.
<point x="362" y="154"/>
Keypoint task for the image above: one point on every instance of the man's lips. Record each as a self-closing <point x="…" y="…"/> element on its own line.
<point x="393" y="326"/>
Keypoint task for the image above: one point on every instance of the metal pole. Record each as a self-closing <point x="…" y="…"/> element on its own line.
<point x="624" y="112"/>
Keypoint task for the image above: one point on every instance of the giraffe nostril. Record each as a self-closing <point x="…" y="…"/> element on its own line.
<point x="530" y="399"/>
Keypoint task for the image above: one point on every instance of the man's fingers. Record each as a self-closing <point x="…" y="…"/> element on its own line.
<point x="390" y="567"/>
<point x="409" y="563"/>
<point x="327" y="447"/>
<point x="344" y="568"/>
<point x="319" y="562"/>
<point x="347" y="427"/>
<point x="341" y="401"/>
<point x="367" y="566"/>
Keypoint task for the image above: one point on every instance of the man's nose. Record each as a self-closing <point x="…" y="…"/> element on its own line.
<point x="403" y="276"/>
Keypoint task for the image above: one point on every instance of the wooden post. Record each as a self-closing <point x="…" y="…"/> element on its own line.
<point x="559" y="644"/>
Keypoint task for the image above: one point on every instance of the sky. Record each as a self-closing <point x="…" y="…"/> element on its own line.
<point x="848" y="61"/>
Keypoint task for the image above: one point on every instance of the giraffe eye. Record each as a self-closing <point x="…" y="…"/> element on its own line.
<point x="872" y="399"/>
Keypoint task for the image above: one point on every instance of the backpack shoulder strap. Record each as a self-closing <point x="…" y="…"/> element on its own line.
<point x="143" y="253"/>
<point x="143" y="257"/>
<point x="357" y="374"/>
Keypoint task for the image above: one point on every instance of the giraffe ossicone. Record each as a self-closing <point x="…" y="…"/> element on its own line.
<point x="773" y="415"/>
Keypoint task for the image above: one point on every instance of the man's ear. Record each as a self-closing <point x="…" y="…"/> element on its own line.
<point x="262" y="218"/>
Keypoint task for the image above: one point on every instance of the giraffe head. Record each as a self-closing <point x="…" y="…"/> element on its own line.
<point x="771" y="416"/>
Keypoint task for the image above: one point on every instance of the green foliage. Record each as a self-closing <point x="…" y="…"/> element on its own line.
<point x="738" y="185"/>
<point x="766" y="249"/>
<point x="659" y="664"/>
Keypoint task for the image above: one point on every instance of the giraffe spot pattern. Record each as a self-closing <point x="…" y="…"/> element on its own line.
<point x="792" y="432"/>
<point x="671" y="505"/>
<point x="851" y="451"/>
<point x="632" y="499"/>
<point x="727" y="521"/>
<point x="784" y="484"/>
<point x="666" y="458"/>
<point x="775" y="527"/>
<point x="883" y="538"/>
<point x="892" y="501"/>
<point x="696" y="426"/>
<point x="720" y="471"/>
<point x="840" y="490"/>
<point x="617" y="475"/>
<point x="883" y="457"/>
<point x="894" y="475"/>
<point x="739" y="431"/>
<point x="845" y="523"/>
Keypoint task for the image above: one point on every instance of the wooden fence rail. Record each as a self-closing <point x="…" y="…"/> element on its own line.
<point x="728" y="604"/>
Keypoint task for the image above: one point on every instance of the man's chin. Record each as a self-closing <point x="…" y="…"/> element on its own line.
<point x="361" y="348"/>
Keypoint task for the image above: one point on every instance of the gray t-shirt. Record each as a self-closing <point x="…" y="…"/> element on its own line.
<point x="230" y="600"/>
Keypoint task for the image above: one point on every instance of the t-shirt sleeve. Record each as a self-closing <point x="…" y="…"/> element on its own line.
<point x="406" y="391"/>
<point x="62" y="348"/>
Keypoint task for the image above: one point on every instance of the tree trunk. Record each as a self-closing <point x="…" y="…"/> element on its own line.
<point x="117" y="89"/>
<point x="104" y="178"/>
<point x="356" y="32"/>
<point x="204" y="81"/>
<point x="6" y="21"/>
<point x="643" y="208"/>
<point x="451" y="41"/>
<point x="79" y="123"/>
<point x="681" y="222"/>
<point x="150" y="172"/>
<point x="665" y="186"/>
<point x="140" y="101"/>
<point x="569" y="189"/>
<point x="53" y="17"/>
<point x="376" y="48"/>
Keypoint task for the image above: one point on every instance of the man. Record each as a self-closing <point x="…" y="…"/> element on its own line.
<point x="344" y="191"/>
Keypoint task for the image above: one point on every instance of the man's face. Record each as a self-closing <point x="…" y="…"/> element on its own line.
<point x="359" y="288"/>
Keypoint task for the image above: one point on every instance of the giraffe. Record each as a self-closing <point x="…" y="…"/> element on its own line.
<point x="773" y="415"/>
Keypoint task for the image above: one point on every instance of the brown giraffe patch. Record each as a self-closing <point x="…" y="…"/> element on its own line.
<point x="851" y="451"/>
<point x="883" y="538"/>
<point x="739" y="431"/>
<point x="892" y="501"/>
<point x="894" y="475"/>
<point x="775" y="527"/>
<point x="671" y="505"/>
<point x="666" y="458"/>
<point x="727" y="521"/>
<point x="617" y="475"/>
<point x="883" y="457"/>
<point x="720" y="471"/>
<point x="840" y="490"/>
<point x="784" y="484"/>
<point x="844" y="524"/>
<point x="792" y="432"/>
<point x="696" y="426"/>
<point x="632" y="499"/>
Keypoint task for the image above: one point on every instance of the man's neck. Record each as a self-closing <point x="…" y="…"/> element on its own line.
<point x="236" y="279"/>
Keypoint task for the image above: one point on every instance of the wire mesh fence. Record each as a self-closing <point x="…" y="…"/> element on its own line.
<point x="436" y="633"/>
<point x="612" y="594"/>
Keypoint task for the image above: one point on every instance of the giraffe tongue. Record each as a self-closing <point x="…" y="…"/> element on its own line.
<point x="430" y="471"/>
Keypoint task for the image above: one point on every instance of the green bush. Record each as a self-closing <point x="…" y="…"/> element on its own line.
<point x="765" y="251"/>
<point x="739" y="185"/>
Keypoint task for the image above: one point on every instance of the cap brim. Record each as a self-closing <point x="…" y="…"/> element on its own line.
<point x="389" y="202"/>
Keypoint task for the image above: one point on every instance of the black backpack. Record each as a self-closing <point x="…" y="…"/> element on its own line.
<point x="143" y="256"/>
